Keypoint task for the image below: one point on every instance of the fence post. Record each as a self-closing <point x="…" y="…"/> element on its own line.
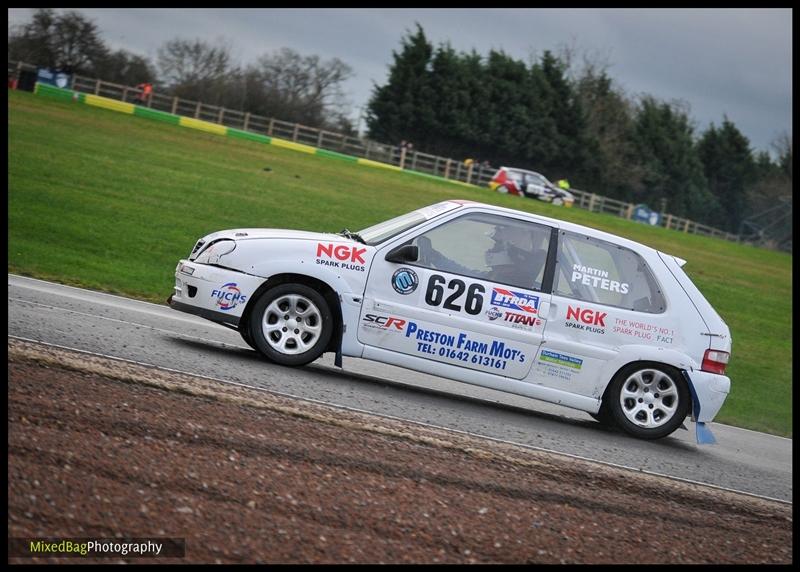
<point x="366" y="151"/>
<point x="246" y="121"/>
<point x="197" y="110"/>
<point x="447" y="169"/>
<point x="458" y="171"/>
<point x="97" y="87"/>
<point x="221" y="115"/>
<point x="469" y="172"/>
<point x="669" y="220"/>
<point x="629" y="214"/>
<point x="436" y="166"/>
<point x="414" y="161"/>
<point x="271" y="125"/>
<point x="686" y="225"/>
<point x="319" y="138"/>
<point x="175" y="105"/>
<point x="296" y="131"/>
<point x="591" y="202"/>
<point x="402" y="156"/>
<point x="125" y="93"/>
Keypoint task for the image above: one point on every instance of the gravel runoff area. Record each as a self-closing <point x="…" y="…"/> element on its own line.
<point x="103" y="448"/>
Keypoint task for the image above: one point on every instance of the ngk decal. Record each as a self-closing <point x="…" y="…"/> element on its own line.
<point x="344" y="256"/>
<point x="586" y="319"/>
<point x="385" y="323"/>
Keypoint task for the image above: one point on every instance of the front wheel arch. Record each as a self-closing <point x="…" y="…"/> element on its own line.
<point x="330" y="295"/>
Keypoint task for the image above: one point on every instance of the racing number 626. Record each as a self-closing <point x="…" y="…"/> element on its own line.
<point x="435" y="294"/>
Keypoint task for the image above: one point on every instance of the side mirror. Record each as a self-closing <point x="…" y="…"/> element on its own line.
<point x="404" y="253"/>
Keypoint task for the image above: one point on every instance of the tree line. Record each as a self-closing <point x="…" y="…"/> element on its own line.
<point x="572" y="121"/>
<point x="282" y="84"/>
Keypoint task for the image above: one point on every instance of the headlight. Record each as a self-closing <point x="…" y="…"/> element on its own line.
<point x="216" y="250"/>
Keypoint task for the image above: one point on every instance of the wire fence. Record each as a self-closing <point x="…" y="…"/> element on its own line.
<point x="469" y="172"/>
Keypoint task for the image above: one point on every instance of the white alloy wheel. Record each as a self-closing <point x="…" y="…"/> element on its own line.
<point x="649" y="398"/>
<point x="292" y="324"/>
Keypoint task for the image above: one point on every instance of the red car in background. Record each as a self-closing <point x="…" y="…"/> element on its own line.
<point x="523" y="183"/>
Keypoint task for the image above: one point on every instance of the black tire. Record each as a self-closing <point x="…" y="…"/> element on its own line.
<point x="648" y="400"/>
<point x="604" y="416"/>
<point x="291" y="324"/>
<point x="244" y="331"/>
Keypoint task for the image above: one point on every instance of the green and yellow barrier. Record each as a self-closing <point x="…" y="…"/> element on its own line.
<point x="215" y="128"/>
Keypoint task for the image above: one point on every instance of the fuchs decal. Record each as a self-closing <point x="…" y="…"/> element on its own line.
<point x="228" y="296"/>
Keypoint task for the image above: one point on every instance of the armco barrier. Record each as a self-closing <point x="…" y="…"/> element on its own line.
<point x="215" y="128"/>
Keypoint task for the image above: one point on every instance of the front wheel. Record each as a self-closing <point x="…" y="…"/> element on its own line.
<point x="291" y="324"/>
<point x="648" y="400"/>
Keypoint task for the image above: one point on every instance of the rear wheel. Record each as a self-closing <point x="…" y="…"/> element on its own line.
<point x="648" y="400"/>
<point x="291" y="324"/>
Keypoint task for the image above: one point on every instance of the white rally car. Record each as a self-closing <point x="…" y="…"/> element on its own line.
<point x="486" y="295"/>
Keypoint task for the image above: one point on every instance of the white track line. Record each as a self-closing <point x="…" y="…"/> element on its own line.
<point x="420" y="423"/>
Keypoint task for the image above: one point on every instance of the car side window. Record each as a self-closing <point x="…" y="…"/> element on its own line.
<point x="488" y="247"/>
<point x="605" y="273"/>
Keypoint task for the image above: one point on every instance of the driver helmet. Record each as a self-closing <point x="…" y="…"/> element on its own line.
<point x="510" y="245"/>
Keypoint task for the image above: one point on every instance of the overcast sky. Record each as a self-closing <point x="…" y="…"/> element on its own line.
<point x="734" y="62"/>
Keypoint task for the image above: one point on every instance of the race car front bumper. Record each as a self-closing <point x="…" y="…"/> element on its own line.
<point x="213" y="293"/>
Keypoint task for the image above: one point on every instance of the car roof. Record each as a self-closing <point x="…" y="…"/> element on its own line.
<point x="522" y="171"/>
<point x="562" y="224"/>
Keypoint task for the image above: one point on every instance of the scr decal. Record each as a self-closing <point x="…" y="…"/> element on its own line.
<point x="228" y="296"/>
<point x="404" y="281"/>
<point x="341" y="256"/>
<point x="384" y="323"/>
<point x="515" y="300"/>
<point x="596" y="278"/>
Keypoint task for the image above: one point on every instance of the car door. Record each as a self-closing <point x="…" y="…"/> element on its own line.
<point x="604" y="298"/>
<point x="449" y="302"/>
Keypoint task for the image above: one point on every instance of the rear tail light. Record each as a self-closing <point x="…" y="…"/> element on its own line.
<point x="715" y="361"/>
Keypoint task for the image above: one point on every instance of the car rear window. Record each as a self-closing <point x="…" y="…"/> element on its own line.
<point x="601" y="272"/>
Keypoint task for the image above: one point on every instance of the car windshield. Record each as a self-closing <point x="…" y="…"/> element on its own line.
<point x="389" y="228"/>
<point x="536" y="179"/>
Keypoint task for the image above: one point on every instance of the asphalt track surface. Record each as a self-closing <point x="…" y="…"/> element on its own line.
<point x="152" y="334"/>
